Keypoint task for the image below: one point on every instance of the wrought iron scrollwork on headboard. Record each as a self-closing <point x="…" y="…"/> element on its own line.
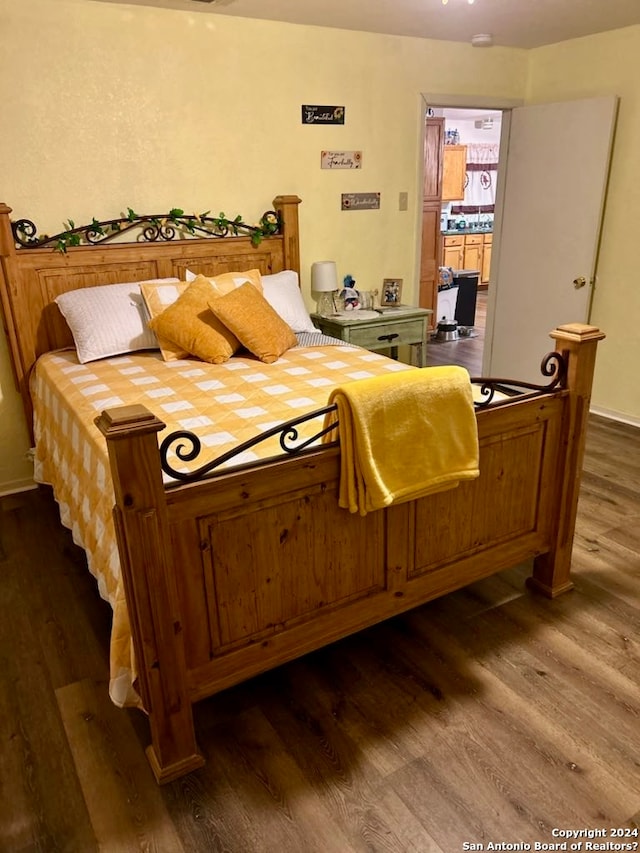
<point x="149" y="228"/>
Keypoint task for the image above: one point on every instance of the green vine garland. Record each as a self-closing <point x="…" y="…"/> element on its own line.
<point x="155" y="227"/>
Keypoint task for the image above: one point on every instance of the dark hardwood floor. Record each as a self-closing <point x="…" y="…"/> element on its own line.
<point x="466" y="351"/>
<point x="490" y="715"/>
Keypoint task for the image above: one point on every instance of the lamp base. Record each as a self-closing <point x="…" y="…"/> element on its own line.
<point x="326" y="306"/>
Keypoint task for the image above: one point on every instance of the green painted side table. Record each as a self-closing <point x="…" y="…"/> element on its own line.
<point x="395" y="327"/>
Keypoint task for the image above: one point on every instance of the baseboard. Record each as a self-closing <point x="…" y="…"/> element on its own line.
<point x="612" y="415"/>
<point x="15" y="486"/>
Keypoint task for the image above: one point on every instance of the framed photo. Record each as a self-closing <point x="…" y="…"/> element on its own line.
<point x="391" y="292"/>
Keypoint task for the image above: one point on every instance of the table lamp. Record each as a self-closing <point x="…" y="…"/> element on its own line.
<point x="324" y="284"/>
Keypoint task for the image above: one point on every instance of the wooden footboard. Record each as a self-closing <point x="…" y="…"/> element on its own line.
<point x="231" y="576"/>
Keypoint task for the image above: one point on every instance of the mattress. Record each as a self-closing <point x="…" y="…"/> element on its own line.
<point x="224" y="405"/>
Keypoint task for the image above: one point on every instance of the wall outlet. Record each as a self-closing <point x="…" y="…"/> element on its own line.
<point x="403" y="201"/>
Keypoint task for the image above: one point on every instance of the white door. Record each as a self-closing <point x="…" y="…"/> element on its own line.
<point x="548" y="230"/>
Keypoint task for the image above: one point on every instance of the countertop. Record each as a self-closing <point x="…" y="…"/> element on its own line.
<point x="460" y="232"/>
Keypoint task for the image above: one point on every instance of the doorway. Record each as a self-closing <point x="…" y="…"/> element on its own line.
<point x="548" y="214"/>
<point x="465" y="173"/>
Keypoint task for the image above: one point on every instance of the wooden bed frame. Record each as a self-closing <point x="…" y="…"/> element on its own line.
<point x="230" y="576"/>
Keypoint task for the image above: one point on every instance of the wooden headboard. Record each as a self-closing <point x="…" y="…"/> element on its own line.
<point x="31" y="278"/>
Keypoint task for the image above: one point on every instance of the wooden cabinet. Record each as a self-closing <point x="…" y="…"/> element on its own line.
<point x="453" y="252"/>
<point x="468" y="252"/>
<point x="430" y="255"/>
<point x="454" y="172"/>
<point x="433" y="145"/>
<point x="431" y="209"/>
<point x="406" y="326"/>
<point x="486" y="259"/>
<point x="473" y="250"/>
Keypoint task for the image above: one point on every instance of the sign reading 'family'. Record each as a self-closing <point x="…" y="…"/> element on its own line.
<point x="314" y="114"/>
<point x="341" y="160"/>
<point x="360" y="201"/>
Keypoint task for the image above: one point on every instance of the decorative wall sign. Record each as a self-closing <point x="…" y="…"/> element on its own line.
<point x="341" y="160"/>
<point x="360" y="201"/>
<point x="314" y="114"/>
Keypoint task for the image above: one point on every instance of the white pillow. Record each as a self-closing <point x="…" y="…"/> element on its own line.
<point x="282" y="292"/>
<point x="107" y="320"/>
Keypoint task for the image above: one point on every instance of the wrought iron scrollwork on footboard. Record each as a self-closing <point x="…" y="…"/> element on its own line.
<point x="186" y="445"/>
<point x="553" y="364"/>
<point x="287" y="431"/>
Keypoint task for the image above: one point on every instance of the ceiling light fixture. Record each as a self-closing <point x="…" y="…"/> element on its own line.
<point x="482" y="40"/>
<point x="470" y="2"/>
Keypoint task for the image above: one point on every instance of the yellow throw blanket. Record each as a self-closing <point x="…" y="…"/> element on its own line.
<point x="404" y="435"/>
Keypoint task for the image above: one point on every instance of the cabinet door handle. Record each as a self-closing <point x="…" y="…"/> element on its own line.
<point x="388" y="337"/>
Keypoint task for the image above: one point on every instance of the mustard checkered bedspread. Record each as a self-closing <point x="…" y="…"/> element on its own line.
<point x="223" y="405"/>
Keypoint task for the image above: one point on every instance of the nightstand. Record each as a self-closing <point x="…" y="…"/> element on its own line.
<point x="405" y="325"/>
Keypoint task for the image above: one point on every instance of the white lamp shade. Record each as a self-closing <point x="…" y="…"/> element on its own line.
<point x="324" y="276"/>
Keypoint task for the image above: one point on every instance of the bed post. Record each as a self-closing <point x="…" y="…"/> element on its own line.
<point x="7" y="271"/>
<point x="287" y="207"/>
<point x="144" y="541"/>
<point x="578" y="343"/>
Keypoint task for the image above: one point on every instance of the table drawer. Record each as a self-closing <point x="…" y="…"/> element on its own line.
<point x="384" y="335"/>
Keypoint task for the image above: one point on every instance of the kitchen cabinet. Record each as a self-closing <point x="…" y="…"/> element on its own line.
<point x="430" y="255"/>
<point x="473" y="251"/>
<point x="431" y="249"/>
<point x="468" y="252"/>
<point x="433" y="145"/>
<point x="453" y="252"/>
<point x="454" y="172"/>
<point x="486" y="259"/>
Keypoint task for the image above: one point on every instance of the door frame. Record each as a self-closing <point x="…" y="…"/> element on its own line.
<point x="473" y="102"/>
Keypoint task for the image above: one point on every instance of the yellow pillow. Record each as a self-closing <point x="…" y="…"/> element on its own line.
<point x="227" y="281"/>
<point x="247" y="314"/>
<point x="187" y="327"/>
<point x="158" y="297"/>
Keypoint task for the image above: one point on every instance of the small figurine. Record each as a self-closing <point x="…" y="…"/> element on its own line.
<point x="349" y="294"/>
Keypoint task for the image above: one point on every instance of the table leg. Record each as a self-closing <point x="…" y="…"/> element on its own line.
<point x="421" y="353"/>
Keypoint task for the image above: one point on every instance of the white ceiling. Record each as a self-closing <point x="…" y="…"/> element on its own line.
<point x="514" y="23"/>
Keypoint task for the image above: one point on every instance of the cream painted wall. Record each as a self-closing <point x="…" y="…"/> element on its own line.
<point x="607" y="64"/>
<point x="107" y="106"/>
<point x="110" y="106"/>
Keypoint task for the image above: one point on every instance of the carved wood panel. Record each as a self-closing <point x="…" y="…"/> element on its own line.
<point x="280" y="563"/>
<point x="508" y="501"/>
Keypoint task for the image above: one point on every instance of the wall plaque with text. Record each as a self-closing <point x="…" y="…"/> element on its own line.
<point x="360" y="201"/>
<point x="314" y="114"/>
<point x="341" y="160"/>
